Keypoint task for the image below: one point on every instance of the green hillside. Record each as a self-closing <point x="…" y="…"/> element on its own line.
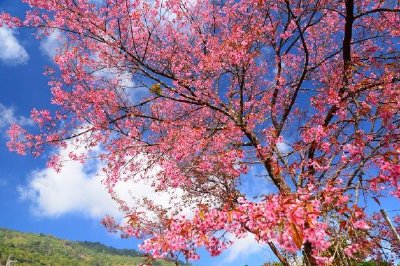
<point x="40" y="249"/>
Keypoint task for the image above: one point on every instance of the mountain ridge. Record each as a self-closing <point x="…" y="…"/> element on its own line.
<point x="42" y="249"/>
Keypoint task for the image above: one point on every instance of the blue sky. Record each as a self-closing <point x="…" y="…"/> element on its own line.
<point x="69" y="204"/>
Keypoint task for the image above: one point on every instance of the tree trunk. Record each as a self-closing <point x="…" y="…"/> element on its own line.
<point x="307" y="253"/>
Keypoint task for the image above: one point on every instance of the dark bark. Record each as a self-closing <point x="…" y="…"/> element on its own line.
<point x="307" y="252"/>
<point x="348" y="35"/>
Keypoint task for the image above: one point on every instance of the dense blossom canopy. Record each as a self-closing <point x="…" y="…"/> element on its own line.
<point x="307" y="91"/>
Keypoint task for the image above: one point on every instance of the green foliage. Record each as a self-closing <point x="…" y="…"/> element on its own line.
<point x="156" y="89"/>
<point x="373" y="263"/>
<point x="40" y="249"/>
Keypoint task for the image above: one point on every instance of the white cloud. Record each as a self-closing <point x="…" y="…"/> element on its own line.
<point x="52" y="43"/>
<point x="125" y="82"/>
<point x="242" y="248"/>
<point x="8" y="116"/>
<point x="11" y="51"/>
<point x="73" y="190"/>
<point x="77" y="188"/>
<point x="283" y="148"/>
<point x="124" y="78"/>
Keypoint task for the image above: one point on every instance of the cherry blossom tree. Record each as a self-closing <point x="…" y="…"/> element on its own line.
<point x="306" y="91"/>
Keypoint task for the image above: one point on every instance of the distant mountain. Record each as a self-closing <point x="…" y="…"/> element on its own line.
<point x="40" y="249"/>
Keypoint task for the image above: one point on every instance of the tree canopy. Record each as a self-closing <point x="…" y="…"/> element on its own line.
<point x="306" y="91"/>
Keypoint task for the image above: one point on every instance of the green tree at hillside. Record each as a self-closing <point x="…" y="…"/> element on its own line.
<point x="40" y="249"/>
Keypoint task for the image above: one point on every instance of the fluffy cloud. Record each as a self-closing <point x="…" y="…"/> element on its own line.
<point x="283" y="148"/>
<point x="11" y="51"/>
<point x="242" y="248"/>
<point x="8" y="116"/>
<point x="125" y="82"/>
<point x="124" y="78"/>
<point x="73" y="190"/>
<point x="78" y="188"/>
<point x="50" y="44"/>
